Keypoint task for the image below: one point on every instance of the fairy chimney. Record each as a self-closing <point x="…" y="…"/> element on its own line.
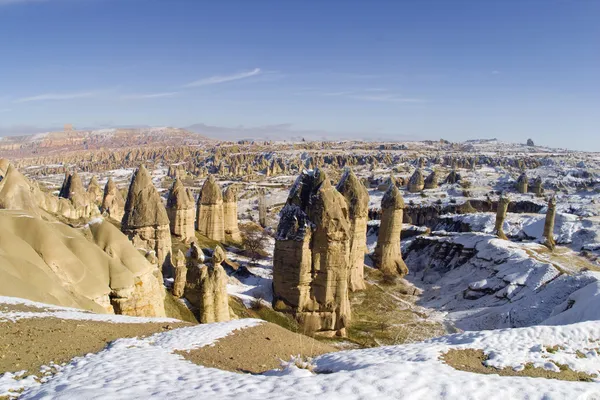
<point x="210" y="217"/>
<point x="113" y="203"/>
<point x="230" y="214"/>
<point x="181" y="210"/>
<point x="503" y="203"/>
<point x="549" y="224"/>
<point x="416" y="183"/>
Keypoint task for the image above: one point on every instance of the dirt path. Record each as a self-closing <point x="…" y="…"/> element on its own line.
<point x="27" y="344"/>
<point x="256" y="349"/>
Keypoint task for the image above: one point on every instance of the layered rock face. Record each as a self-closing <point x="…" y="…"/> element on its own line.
<point x="522" y="183"/>
<point x="357" y="197"/>
<point x="95" y="192"/>
<point x="431" y="182"/>
<point x="416" y="183"/>
<point x="181" y="210"/>
<point x="145" y="220"/>
<point x="180" y="267"/>
<point x="210" y="219"/>
<point x="230" y="214"/>
<point x="387" y="256"/>
<point x="82" y="204"/>
<point x="549" y="224"/>
<point x="311" y="261"/>
<point x="503" y="203"/>
<point x="206" y="287"/>
<point x="113" y="203"/>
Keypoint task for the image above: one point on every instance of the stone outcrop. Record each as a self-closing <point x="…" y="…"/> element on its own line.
<point x="416" y="183"/>
<point x="113" y="203"/>
<point x="145" y="220"/>
<point x="522" y="183"/>
<point x="452" y="177"/>
<point x="311" y="261"/>
<point x="357" y="196"/>
<point x="82" y="204"/>
<point x="431" y="182"/>
<point x="95" y="192"/>
<point x="206" y="288"/>
<point x="230" y="214"/>
<point x="387" y="255"/>
<point x="538" y="188"/>
<point x="180" y="267"/>
<point x="501" y="210"/>
<point x="210" y="218"/>
<point x="181" y="209"/>
<point x="549" y="224"/>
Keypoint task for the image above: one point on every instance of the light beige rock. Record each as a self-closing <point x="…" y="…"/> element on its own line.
<point x="210" y="218"/>
<point x="387" y="255"/>
<point x="522" y="183"/>
<point x="180" y="274"/>
<point x="83" y="205"/>
<point x="95" y="192"/>
<point x="431" y="182"/>
<point x="549" y="224"/>
<point x="206" y="289"/>
<point x="416" y="183"/>
<point x="230" y="214"/>
<point x="113" y="203"/>
<point x="538" y="187"/>
<point x="503" y="203"/>
<point x="311" y="261"/>
<point x="181" y="210"/>
<point x="145" y="220"/>
<point x="357" y="197"/>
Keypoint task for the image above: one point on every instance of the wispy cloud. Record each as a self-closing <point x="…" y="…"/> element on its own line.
<point x="368" y="94"/>
<point x="60" y="96"/>
<point x="389" y="98"/>
<point x="148" y="96"/>
<point x="214" y="80"/>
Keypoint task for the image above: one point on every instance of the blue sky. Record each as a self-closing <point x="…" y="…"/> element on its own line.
<point x="461" y="69"/>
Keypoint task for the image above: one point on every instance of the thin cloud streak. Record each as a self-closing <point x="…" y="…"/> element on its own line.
<point x="214" y="80"/>
<point x="388" y="98"/>
<point x="59" y="96"/>
<point x="148" y="96"/>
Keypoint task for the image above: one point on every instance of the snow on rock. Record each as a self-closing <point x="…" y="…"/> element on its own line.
<point x="148" y="368"/>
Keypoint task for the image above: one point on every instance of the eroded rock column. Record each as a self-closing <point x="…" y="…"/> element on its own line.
<point x="230" y="214"/>
<point x="503" y="203"/>
<point x="181" y="210"/>
<point x="210" y="217"/>
<point x="113" y="203"/>
<point x="549" y="224"/>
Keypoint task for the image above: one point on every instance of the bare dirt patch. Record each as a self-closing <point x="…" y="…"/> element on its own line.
<point x="256" y="349"/>
<point x="471" y="360"/>
<point x="27" y="344"/>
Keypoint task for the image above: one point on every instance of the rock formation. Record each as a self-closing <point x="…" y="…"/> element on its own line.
<point x="4" y="163"/>
<point x="538" y="188"/>
<point x="311" y="261"/>
<point x="95" y="191"/>
<point x="431" y="182"/>
<point x="387" y="255"/>
<point x="452" y="177"/>
<point x="180" y="267"/>
<point x="145" y="221"/>
<point x="210" y="217"/>
<point x="113" y="203"/>
<point x="501" y="210"/>
<point x="357" y="196"/>
<point x="206" y="288"/>
<point x="416" y="183"/>
<point x="522" y="183"/>
<point x="230" y="214"/>
<point x="181" y="210"/>
<point x="82" y="205"/>
<point x="549" y="224"/>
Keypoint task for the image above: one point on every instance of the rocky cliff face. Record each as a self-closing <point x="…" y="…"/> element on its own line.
<point x="113" y="203"/>
<point x="145" y="220"/>
<point x="181" y="210"/>
<point x="357" y="197"/>
<point x="312" y="256"/>
<point x="230" y="214"/>
<point x="210" y="218"/>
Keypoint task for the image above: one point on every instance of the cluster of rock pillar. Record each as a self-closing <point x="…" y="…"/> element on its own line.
<point x="217" y="216"/>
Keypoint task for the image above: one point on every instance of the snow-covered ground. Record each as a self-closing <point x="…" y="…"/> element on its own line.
<point x="148" y="368"/>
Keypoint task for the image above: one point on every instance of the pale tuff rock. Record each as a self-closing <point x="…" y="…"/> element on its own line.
<point x="431" y="182"/>
<point x="522" y="183"/>
<point x="387" y="256"/>
<point x="145" y="221"/>
<point x="416" y="183"/>
<point x="218" y="256"/>
<point x="83" y="206"/>
<point x="503" y="203"/>
<point x="95" y="268"/>
<point x="113" y="203"/>
<point x="180" y="267"/>
<point x="311" y="261"/>
<point x="452" y="177"/>
<point x="538" y="188"/>
<point x="206" y="289"/>
<point x="181" y="210"/>
<point x="230" y="214"/>
<point x="210" y="217"/>
<point x="549" y="224"/>
<point x="4" y="163"/>
<point x="95" y="192"/>
<point x="357" y="196"/>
